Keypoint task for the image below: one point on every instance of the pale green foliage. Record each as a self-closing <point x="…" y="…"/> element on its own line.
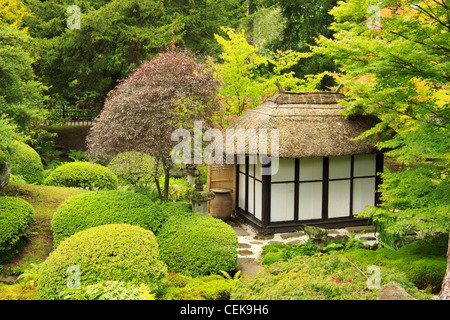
<point x="247" y="81"/>
<point x="398" y="71"/>
<point x="110" y="290"/>
<point x="8" y="133"/>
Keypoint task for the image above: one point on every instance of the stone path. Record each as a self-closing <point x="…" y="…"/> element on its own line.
<point x="251" y="243"/>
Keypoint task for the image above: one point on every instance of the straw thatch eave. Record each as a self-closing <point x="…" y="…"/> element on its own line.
<point x="309" y="124"/>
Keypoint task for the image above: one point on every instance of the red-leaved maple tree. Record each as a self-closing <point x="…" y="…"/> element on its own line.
<point x="169" y="92"/>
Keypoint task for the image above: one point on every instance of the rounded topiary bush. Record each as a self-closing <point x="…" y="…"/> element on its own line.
<point x="82" y="175"/>
<point x="117" y="252"/>
<point x="198" y="245"/>
<point x="97" y="208"/>
<point x="15" y="216"/>
<point x="25" y="162"/>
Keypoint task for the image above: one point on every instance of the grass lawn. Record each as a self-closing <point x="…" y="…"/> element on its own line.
<point x="39" y="243"/>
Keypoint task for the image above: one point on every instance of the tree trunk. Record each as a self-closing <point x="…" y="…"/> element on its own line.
<point x="251" y="11"/>
<point x="158" y="187"/>
<point x="445" y="290"/>
<point x="166" y="183"/>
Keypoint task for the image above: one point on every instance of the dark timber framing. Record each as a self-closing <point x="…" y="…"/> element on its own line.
<point x="265" y="225"/>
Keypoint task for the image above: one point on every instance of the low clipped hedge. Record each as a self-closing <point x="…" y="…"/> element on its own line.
<point x="198" y="245"/>
<point x="25" y="162"/>
<point x="97" y="208"/>
<point x="82" y="175"/>
<point x="15" y="216"/>
<point x="115" y="252"/>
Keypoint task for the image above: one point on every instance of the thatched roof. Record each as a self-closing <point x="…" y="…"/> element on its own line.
<point x="309" y="124"/>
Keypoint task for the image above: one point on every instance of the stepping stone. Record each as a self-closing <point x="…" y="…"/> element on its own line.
<point x="292" y="234"/>
<point x="256" y="242"/>
<point x="359" y="229"/>
<point x="262" y="237"/>
<point x="244" y="245"/>
<point x="245" y="252"/>
<point x="250" y="269"/>
<point x="242" y="261"/>
<point x="240" y="231"/>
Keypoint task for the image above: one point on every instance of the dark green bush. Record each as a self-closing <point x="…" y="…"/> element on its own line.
<point x="275" y="252"/>
<point x="424" y="262"/>
<point x="15" y="216"/>
<point x="198" y="245"/>
<point x="272" y="257"/>
<point x="82" y="175"/>
<point x="97" y="208"/>
<point x="117" y="252"/>
<point x="25" y="162"/>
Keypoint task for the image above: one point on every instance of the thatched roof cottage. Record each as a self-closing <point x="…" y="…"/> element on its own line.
<point x="322" y="177"/>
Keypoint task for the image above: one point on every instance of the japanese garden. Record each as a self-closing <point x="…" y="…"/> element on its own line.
<point x="237" y="150"/>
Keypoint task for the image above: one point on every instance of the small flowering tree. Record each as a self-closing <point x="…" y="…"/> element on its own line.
<point x="169" y="92"/>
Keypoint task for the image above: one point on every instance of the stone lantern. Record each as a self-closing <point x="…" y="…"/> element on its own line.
<point x="200" y="197"/>
<point x="191" y="172"/>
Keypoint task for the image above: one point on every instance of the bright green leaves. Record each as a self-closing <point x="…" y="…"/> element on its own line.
<point x="398" y="71"/>
<point x="249" y="77"/>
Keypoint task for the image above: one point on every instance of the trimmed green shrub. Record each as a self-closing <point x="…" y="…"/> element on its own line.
<point x="97" y="208"/>
<point x="324" y="277"/>
<point x="25" y="162"/>
<point x="198" y="245"/>
<point x="272" y="257"/>
<point x="275" y="252"/>
<point x="15" y="216"/>
<point x="82" y="175"/>
<point x="117" y="252"/>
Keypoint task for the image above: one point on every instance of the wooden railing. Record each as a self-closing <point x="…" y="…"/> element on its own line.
<point x="80" y="116"/>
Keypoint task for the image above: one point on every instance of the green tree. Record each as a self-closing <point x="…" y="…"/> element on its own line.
<point x="115" y="37"/>
<point x="201" y="19"/>
<point x="21" y="97"/>
<point x="8" y="134"/>
<point x="395" y="57"/>
<point x="250" y="77"/>
<point x="294" y="25"/>
<point x="13" y="12"/>
<point x="83" y="65"/>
